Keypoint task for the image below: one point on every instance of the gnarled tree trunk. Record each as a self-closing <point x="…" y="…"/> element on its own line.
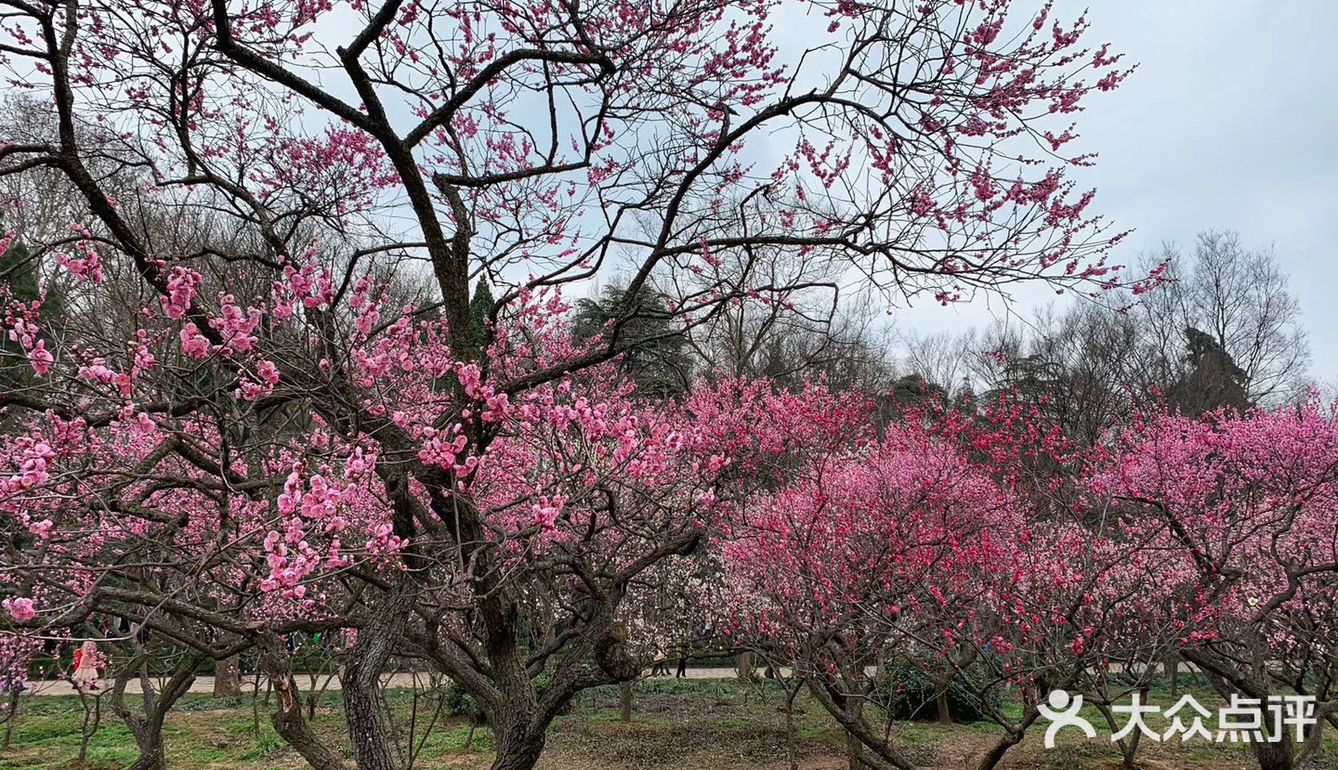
<point x="288" y="720"/>
<point x="518" y="747"/>
<point x="1273" y="756"/>
<point x="147" y="727"/>
<point x="369" y="730"/>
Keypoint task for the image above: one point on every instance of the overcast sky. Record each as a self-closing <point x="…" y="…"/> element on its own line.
<point x="1230" y="121"/>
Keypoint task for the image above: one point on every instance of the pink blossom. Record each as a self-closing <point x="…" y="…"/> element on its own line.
<point x="21" y="609"/>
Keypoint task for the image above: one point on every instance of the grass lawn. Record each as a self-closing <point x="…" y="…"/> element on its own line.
<point x="679" y="725"/>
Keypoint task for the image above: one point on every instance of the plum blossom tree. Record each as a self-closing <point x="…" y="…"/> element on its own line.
<point x="839" y="566"/>
<point x="237" y="438"/>
<point x="945" y="545"/>
<point x="578" y="496"/>
<point x="1249" y="503"/>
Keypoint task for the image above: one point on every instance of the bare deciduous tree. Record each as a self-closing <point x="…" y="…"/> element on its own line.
<point x="1239" y="297"/>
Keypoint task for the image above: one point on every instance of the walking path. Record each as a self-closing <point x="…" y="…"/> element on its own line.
<point x="205" y="684"/>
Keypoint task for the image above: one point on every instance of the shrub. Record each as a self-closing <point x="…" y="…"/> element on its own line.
<point x="908" y="691"/>
<point x="460" y="703"/>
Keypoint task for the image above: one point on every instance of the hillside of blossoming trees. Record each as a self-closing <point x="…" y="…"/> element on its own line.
<point x="500" y="342"/>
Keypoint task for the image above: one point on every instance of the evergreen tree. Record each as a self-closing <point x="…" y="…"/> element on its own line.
<point x="19" y="272"/>
<point x="480" y="310"/>
<point x="1214" y="379"/>
<point x="913" y="390"/>
<point x="18" y="277"/>
<point x="653" y="350"/>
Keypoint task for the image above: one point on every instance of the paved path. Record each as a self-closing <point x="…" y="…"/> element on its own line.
<point x="205" y="684"/>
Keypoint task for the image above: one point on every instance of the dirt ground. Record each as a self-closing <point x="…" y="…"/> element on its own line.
<point x="686" y="725"/>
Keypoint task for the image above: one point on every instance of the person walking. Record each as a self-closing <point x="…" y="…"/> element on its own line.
<point x="660" y="666"/>
<point x="85" y="665"/>
<point x="13" y="683"/>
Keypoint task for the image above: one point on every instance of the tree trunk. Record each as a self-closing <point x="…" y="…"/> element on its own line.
<point x="944" y="713"/>
<point x="791" y="750"/>
<point x="147" y="730"/>
<point x="12" y="715"/>
<point x="1274" y="756"/>
<point x="854" y="708"/>
<point x="834" y="698"/>
<point x="1270" y="756"/>
<point x="89" y="726"/>
<point x="368" y="730"/>
<point x="517" y="748"/>
<point x="743" y="666"/>
<point x="147" y="727"/>
<point x="151" y="756"/>
<point x="1130" y="750"/>
<point x="287" y="720"/>
<point x="1128" y="745"/>
<point x="1012" y="736"/>
<point x="625" y="701"/>
<point x="227" y="680"/>
<point x="255" y="707"/>
<point x="996" y="752"/>
<point x="317" y="693"/>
